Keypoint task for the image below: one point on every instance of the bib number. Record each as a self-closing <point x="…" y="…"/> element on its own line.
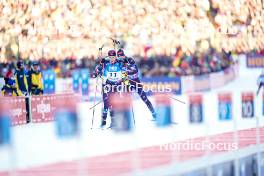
<point x="114" y="76"/>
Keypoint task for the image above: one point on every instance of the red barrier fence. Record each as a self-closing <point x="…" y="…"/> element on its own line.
<point x="44" y="107"/>
<point x="16" y="109"/>
<point x="19" y="112"/>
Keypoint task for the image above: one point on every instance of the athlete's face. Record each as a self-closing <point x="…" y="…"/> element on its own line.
<point x="112" y="58"/>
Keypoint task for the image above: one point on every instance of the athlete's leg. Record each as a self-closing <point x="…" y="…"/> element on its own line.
<point x="105" y="105"/>
<point x="139" y="88"/>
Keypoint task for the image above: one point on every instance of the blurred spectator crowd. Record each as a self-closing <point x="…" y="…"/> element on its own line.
<point x="195" y="35"/>
<point x="182" y="64"/>
<point x="162" y="65"/>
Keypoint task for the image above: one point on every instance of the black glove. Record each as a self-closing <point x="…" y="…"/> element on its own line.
<point x="125" y="60"/>
<point x="98" y="71"/>
<point x="103" y="61"/>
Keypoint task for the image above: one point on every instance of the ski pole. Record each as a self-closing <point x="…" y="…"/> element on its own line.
<point x="96" y="104"/>
<point x="169" y="96"/>
<point x="133" y="116"/>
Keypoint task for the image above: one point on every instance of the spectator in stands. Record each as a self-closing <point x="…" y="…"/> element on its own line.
<point x="35" y="83"/>
<point x="60" y="28"/>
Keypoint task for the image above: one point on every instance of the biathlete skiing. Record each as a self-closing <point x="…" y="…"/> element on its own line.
<point x="118" y="71"/>
<point x="110" y="70"/>
<point x="134" y="83"/>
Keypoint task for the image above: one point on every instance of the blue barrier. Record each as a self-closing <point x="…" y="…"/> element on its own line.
<point x="85" y="75"/>
<point x="225" y="169"/>
<point x="248" y="166"/>
<point x="196" y="109"/>
<point x="123" y="120"/>
<point x="49" y="78"/>
<point x="263" y="104"/>
<point x="224" y="106"/>
<point x="5" y="123"/>
<point x="262" y="164"/>
<point x="75" y="80"/>
<point x="162" y="84"/>
<point x="66" y="123"/>
<point x="164" y="110"/>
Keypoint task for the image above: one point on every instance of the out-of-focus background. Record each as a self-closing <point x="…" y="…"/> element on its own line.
<point x="209" y="52"/>
<point x="165" y="37"/>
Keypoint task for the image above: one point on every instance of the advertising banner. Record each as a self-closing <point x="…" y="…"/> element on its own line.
<point x="44" y="107"/>
<point x="162" y="84"/>
<point x="85" y="81"/>
<point x="229" y="74"/>
<point x="202" y="82"/>
<point x="255" y="61"/>
<point x="217" y="80"/>
<point x="49" y="78"/>
<point x="224" y="106"/>
<point x="195" y="109"/>
<point x="247" y="105"/>
<point x="75" y="80"/>
<point x="16" y="109"/>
